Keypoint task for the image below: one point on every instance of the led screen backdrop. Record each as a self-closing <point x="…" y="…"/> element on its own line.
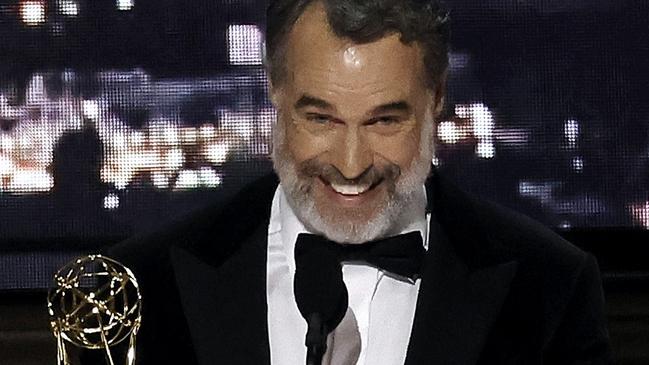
<point x="119" y="115"/>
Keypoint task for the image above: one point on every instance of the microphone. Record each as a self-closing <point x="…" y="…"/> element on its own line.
<point x="320" y="293"/>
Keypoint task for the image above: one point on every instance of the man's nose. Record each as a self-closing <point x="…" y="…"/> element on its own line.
<point x="352" y="154"/>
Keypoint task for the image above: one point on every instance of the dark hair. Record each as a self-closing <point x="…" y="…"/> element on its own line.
<point x="364" y="21"/>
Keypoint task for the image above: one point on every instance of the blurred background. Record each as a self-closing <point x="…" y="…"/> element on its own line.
<point x="118" y="116"/>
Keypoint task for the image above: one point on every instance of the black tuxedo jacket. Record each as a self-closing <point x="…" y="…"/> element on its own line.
<point x="497" y="288"/>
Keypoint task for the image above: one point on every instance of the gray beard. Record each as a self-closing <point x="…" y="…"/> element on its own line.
<point x="404" y="205"/>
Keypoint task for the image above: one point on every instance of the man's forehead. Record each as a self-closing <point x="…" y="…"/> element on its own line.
<point x="352" y="57"/>
<point x="315" y="52"/>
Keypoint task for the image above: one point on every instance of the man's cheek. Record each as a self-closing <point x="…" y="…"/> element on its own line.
<point x="304" y="147"/>
<point x="398" y="151"/>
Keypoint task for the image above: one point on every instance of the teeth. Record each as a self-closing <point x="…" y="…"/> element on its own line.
<point x="350" y="189"/>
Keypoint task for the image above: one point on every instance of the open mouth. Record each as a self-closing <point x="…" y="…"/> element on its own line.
<point x="351" y="190"/>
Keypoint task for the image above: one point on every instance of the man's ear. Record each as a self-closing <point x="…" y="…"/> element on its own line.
<point x="440" y="95"/>
<point x="273" y="93"/>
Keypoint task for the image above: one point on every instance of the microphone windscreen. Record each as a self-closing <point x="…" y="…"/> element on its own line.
<point x="318" y="282"/>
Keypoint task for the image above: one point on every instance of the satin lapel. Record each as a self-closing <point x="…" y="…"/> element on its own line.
<point x="225" y="304"/>
<point x="456" y="306"/>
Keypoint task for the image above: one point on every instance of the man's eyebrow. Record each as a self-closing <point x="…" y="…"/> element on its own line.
<point x="397" y="106"/>
<point x="312" y="101"/>
<point x="308" y="100"/>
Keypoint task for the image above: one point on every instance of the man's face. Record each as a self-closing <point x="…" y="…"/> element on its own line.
<point x="353" y="143"/>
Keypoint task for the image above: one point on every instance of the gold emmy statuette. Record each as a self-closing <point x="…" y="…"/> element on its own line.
<point x="94" y="303"/>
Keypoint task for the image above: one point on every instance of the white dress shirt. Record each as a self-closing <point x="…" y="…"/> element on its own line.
<point x="384" y="307"/>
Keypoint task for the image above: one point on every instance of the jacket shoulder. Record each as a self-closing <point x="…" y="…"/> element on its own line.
<point x="212" y="232"/>
<point x="555" y="302"/>
<point x="487" y="233"/>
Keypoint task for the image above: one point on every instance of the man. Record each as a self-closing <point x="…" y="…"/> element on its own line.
<point x="357" y="86"/>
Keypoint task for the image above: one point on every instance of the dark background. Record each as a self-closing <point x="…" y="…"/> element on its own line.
<point x="547" y="112"/>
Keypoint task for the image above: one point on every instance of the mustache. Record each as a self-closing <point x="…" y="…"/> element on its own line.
<point x="373" y="175"/>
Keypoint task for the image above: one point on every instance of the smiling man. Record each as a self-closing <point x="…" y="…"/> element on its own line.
<point x="357" y="233"/>
<point x="353" y="142"/>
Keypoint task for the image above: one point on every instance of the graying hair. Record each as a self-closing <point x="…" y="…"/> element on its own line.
<point x="425" y="22"/>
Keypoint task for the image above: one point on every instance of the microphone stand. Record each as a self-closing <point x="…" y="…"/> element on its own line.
<point x="316" y="339"/>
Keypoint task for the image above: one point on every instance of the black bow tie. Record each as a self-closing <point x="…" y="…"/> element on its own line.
<point x="401" y="255"/>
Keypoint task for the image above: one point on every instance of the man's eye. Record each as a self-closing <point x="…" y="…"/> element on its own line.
<point x="385" y="120"/>
<point x="318" y="118"/>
